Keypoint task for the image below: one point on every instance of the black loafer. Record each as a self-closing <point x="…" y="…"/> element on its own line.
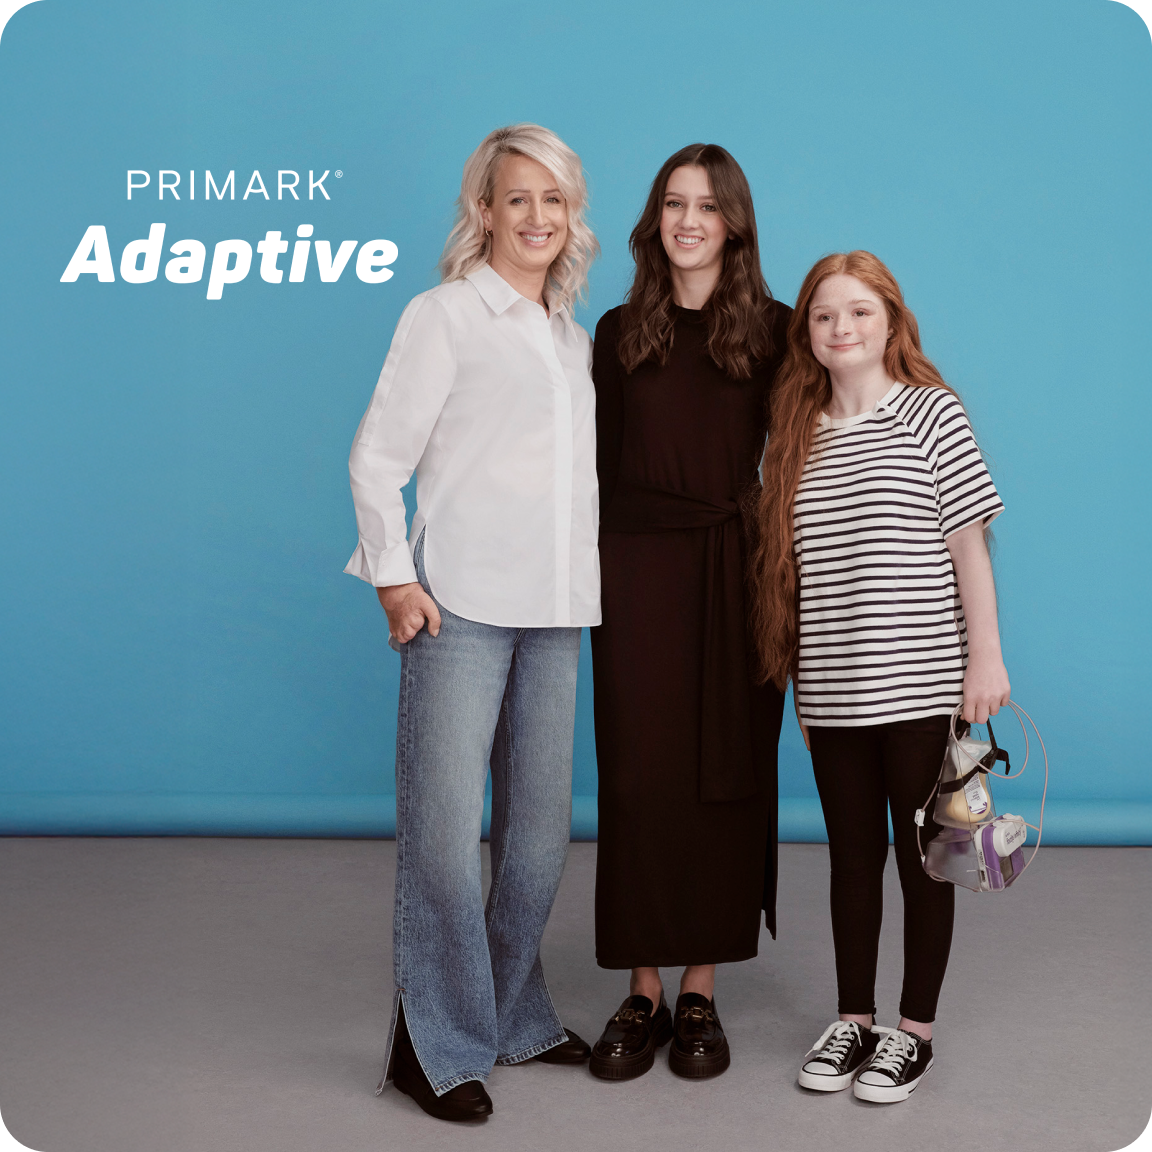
<point x="627" y="1048"/>
<point x="699" y="1046"/>
<point x="572" y="1051"/>
<point x="467" y="1101"/>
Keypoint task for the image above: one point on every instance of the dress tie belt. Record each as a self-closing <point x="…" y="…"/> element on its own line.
<point x="726" y="757"/>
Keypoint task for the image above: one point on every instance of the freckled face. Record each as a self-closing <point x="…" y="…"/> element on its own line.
<point x="528" y="216"/>
<point x="693" y="232"/>
<point x="848" y="325"/>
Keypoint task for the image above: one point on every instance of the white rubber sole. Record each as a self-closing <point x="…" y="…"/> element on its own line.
<point x="820" y="1082"/>
<point x="878" y="1094"/>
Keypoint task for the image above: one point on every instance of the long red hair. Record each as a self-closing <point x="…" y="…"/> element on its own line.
<point x="801" y="392"/>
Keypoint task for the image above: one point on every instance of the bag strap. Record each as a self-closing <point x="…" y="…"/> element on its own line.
<point x="962" y="728"/>
<point x="958" y="729"/>
<point x="961" y="782"/>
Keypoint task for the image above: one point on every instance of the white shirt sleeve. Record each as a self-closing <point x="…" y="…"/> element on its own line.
<point x="414" y="384"/>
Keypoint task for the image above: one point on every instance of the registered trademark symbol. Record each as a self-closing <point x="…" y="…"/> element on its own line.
<point x="338" y="173"/>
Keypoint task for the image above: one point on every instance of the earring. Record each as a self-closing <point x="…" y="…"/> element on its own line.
<point x="488" y="233"/>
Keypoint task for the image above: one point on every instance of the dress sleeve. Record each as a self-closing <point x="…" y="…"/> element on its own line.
<point x="965" y="493"/>
<point x="608" y="376"/>
<point x="414" y="384"/>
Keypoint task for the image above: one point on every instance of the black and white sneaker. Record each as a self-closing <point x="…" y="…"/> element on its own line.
<point x="901" y="1061"/>
<point x="838" y="1055"/>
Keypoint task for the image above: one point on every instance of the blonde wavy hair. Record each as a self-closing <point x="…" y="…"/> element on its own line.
<point x="468" y="247"/>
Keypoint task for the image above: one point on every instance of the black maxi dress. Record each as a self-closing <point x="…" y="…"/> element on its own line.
<point x="685" y="739"/>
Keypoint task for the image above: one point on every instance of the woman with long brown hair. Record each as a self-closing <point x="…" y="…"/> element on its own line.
<point x="876" y="597"/>
<point x="685" y="738"/>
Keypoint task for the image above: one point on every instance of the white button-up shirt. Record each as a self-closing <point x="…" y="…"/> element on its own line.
<point x="490" y="401"/>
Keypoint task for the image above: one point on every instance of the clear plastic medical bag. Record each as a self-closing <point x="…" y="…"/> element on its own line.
<point x="977" y="849"/>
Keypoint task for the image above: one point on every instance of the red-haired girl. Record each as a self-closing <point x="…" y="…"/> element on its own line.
<point x="876" y="597"/>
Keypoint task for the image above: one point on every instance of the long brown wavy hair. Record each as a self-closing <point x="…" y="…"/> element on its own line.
<point x="801" y="393"/>
<point x="737" y="311"/>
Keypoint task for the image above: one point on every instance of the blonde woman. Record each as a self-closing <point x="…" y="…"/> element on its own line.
<point x="487" y="396"/>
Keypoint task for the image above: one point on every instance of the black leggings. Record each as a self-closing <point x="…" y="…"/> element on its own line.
<point x="859" y="772"/>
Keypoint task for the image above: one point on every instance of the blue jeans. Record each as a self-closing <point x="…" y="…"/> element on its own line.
<point x="469" y="975"/>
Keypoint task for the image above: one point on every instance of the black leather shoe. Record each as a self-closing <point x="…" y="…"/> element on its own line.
<point x="628" y="1045"/>
<point x="572" y="1051"/>
<point x="467" y="1101"/>
<point x="699" y="1046"/>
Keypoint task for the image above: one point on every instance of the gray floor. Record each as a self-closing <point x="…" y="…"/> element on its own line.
<point x="195" y="994"/>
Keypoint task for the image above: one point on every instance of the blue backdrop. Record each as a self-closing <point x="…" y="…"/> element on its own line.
<point x="180" y="650"/>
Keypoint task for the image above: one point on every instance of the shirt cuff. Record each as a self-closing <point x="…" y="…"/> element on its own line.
<point x="393" y="566"/>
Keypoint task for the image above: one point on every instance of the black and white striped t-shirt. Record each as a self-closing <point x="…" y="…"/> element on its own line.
<point x="882" y="634"/>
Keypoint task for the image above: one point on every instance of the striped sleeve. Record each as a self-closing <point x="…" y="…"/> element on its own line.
<point x="965" y="493"/>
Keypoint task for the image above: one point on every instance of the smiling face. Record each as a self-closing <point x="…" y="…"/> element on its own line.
<point x="848" y="326"/>
<point x="693" y="232"/>
<point x="528" y="219"/>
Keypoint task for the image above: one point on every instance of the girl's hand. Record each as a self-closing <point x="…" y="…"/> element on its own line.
<point x="986" y="688"/>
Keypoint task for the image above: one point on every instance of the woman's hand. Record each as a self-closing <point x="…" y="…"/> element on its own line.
<point x="986" y="689"/>
<point x="408" y="606"/>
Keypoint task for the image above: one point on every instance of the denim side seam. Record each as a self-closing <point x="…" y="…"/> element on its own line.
<point x="505" y="721"/>
<point x="391" y="1042"/>
<point x="404" y="753"/>
<point x="552" y="1003"/>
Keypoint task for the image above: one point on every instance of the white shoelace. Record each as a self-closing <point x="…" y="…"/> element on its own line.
<point x="835" y="1041"/>
<point x="894" y="1051"/>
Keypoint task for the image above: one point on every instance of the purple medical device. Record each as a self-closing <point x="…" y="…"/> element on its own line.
<point x="1000" y="848"/>
<point x="986" y="859"/>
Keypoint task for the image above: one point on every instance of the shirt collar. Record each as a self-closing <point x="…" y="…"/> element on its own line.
<point x="885" y="403"/>
<point x="499" y="295"/>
